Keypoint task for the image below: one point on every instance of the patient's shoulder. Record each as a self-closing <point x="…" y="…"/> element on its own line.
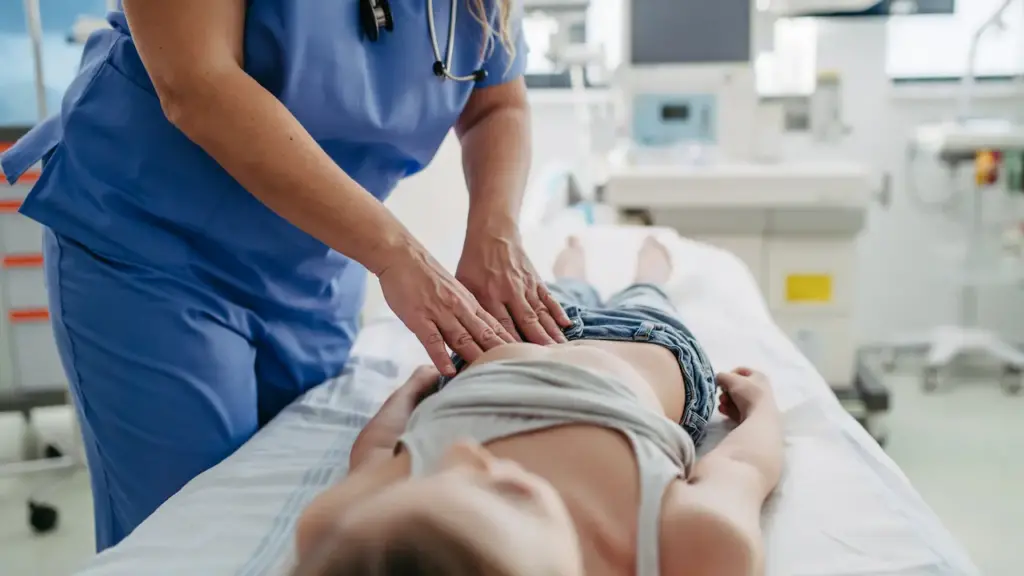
<point x="701" y="539"/>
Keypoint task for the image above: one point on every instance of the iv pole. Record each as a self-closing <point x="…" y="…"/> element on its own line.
<point x="967" y="85"/>
<point x="34" y="22"/>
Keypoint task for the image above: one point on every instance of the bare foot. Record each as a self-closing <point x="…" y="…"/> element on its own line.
<point x="654" y="263"/>
<point x="571" y="262"/>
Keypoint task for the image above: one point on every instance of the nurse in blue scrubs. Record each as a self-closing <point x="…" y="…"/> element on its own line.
<point x="212" y="200"/>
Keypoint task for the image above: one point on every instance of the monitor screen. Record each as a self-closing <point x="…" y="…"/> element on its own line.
<point x="675" y="112"/>
<point x="690" y="31"/>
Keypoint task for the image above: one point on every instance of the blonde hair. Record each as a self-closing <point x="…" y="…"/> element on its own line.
<point x="419" y="546"/>
<point x="503" y="32"/>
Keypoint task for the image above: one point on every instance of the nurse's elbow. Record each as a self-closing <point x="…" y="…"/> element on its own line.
<point x="177" y="102"/>
<point x="187" y="96"/>
<point x="181" y="105"/>
<point x="174" y="110"/>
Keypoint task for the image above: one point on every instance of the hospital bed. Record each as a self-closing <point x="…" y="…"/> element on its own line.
<point x="842" y="508"/>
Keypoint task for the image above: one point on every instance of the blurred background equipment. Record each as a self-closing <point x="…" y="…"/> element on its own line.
<point x="700" y="155"/>
<point x="990" y="149"/>
<point x="31" y="376"/>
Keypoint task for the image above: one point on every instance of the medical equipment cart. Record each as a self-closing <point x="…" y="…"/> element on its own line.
<point x="980" y="143"/>
<point x="31" y="376"/>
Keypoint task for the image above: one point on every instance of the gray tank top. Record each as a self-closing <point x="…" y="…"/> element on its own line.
<point x="503" y="399"/>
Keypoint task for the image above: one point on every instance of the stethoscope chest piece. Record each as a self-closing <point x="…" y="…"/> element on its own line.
<point x="375" y="16"/>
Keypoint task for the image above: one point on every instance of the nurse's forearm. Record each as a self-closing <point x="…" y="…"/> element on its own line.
<point x="261" y="144"/>
<point x="496" y="155"/>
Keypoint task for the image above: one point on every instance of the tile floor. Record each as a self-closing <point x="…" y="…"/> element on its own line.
<point x="963" y="448"/>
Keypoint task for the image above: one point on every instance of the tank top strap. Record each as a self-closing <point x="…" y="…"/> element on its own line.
<point x="657" y="472"/>
<point x="420" y="455"/>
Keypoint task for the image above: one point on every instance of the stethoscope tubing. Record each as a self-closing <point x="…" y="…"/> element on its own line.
<point x="443" y="67"/>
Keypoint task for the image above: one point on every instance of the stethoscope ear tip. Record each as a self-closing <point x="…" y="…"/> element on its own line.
<point x="439" y="70"/>
<point x="480" y="75"/>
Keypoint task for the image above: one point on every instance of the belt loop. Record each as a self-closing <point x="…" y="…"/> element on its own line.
<point x="643" y="334"/>
<point x="576" y="317"/>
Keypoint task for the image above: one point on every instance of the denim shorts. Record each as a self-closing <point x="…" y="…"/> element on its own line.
<point x="640" y="313"/>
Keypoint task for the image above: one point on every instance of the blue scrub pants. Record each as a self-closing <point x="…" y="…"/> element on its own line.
<point x="168" y="378"/>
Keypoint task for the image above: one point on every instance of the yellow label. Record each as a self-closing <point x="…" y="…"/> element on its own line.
<point x="808" y="288"/>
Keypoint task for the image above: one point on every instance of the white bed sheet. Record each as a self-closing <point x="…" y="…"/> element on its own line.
<point x="843" y="508"/>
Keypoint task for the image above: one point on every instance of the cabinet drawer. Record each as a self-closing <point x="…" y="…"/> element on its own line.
<point x="18" y="234"/>
<point x="36" y="361"/>
<point x="23" y="281"/>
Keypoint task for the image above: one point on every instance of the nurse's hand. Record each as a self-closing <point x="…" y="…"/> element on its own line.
<point x="495" y="268"/>
<point x="439" y="310"/>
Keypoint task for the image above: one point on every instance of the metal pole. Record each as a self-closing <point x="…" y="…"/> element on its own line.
<point x="969" y="79"/>
<point x="973" y="261"/>
<point x="34" y="21"/>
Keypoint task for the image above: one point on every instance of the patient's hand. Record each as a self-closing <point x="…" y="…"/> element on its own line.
<point x="382" y="432"/>
<point x="743" y="390"/>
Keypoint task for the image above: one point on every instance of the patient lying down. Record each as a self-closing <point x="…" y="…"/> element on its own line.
<point x="568" y="460"/>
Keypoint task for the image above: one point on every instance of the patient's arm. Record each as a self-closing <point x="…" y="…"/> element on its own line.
<point x="377" y="440"/>
<point x="754" y="448"/>
<point x="712" y="522"/>
<point x="373" y="464"/>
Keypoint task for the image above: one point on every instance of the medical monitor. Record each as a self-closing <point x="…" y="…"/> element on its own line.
<point x="690" y="32"/>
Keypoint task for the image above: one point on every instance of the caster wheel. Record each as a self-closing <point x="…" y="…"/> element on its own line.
<point x="52" y="452"/>
<point x="42" y="517"/>
<point x="930" y="383"/>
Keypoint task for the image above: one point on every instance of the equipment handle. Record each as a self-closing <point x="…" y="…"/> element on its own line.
<point x="22" y="261"/>
<point x="28" y="316"/>
<point x="10" y="206"/>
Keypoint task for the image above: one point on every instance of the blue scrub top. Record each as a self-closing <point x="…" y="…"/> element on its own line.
<point x="121" y="180"/>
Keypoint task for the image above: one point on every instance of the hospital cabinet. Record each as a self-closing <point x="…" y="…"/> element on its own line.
<point x="795" y="226"/>
<point x="28" y="356"/>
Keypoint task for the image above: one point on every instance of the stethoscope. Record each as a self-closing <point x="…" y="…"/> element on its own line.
<point x="376" y="16"/>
